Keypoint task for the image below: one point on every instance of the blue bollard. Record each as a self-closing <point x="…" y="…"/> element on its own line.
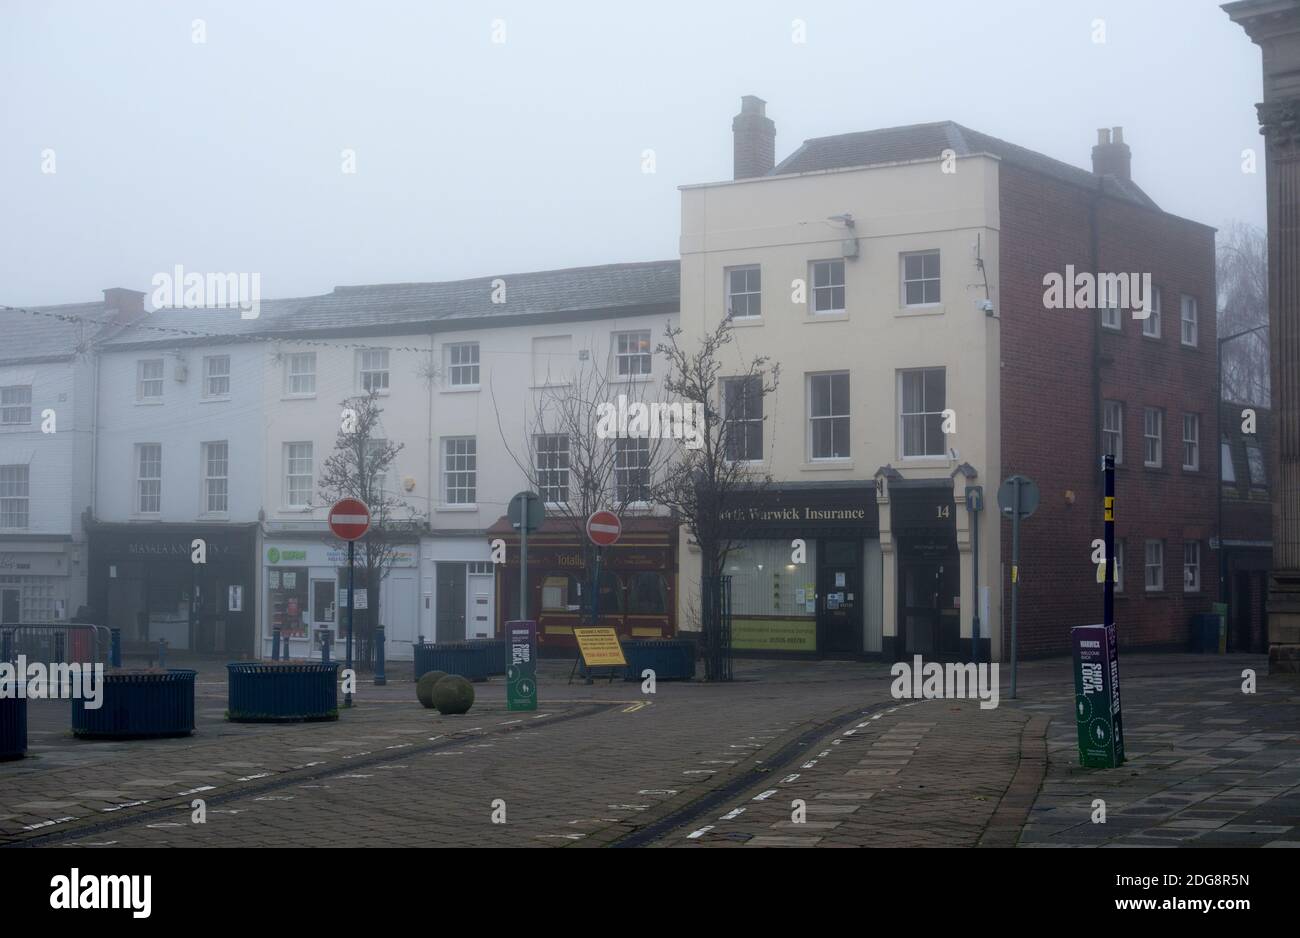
<point x="325" y="649"/>
<point x="275" y="644"/>
<point x="162" y="654"/>
<point x="115" y="648"/>
<point x="380" y="678"/>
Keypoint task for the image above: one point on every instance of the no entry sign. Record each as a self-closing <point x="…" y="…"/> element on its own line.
<point x="604" y="528"/>
<point x="349" y="519"/>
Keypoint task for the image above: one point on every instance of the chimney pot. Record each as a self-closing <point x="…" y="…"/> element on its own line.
<point x="1112" y="156"/>
<point x="754" y="139"/>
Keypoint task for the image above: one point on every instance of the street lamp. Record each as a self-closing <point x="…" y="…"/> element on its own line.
<point x="1218" y="402"/>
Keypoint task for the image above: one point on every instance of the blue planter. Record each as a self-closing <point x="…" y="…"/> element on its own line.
<point x="258" y="693"/>
<point x="13" y="727"/>
<point x="671" y="659"/>
<point x="138" y="705"/>
<point x="476" y="660"/>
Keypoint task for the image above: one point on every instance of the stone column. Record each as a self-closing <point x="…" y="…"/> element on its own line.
<point x="1274" y="25"/>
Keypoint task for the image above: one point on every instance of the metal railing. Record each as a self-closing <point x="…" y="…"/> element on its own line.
<point x="55" y="642"/>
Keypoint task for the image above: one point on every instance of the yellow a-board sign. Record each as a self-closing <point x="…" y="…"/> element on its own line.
<point x="600" y="648"/>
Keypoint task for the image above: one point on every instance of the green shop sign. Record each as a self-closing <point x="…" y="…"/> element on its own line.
<point x="275" y="555"/>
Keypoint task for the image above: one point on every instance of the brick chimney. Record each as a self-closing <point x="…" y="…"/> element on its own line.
<point x="123" y="305"/>
<point x="755" y="138"/>
<point x="1111" y="156"/>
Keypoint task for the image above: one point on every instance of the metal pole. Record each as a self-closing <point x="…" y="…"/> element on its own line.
<point x="975" y="584"/>
<point x="115" y="647"/>
<point x="1015" y="575"/>
<point x="1108" y="590"/>
<point x="523" y="556"/>
<point x="380" y="677"/>
<point x="352" y="598"/>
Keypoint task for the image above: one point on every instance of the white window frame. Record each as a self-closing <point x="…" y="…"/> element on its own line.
<point x="927" y="412"/>
<point x="1157" y="565"/>
<point x="209" y="361"/>
<point x="1227" y="468"/>
<point x="812" y="419"/>
<point x="141" y="380"/>
<point x="1151" y="325"/>
<point x="459" y="467"/>
<point x="1148" y="436"/>
<point x="1189" y="334"/>
<point x="630" y="356"/>
<point x="1192" y="443"/>
<point x="623" y="445"/>
<point x="460" y="366"/>
<point x="1112" y="318"/>
<point x="297" y="373"/>
<point x="1191" y="566"/>
<point x="295" y="454"/>
<point x="752" y="297"/>
<point x="552" y="467"/>
<point x="16" y="496"/>
<point x="744" y="419"/>
<point x="372" y="370"/>
<point x="379" y="479"/>
<point x="923" y="280"/>
<point x="1116" y="408"/>
<point x="14" y="411"/>
<point x="209" y="460"/>
<point x="148" y="486"/>
<point x="831" y="287"/>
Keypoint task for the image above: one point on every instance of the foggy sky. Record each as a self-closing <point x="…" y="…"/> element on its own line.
<point x="478" y="159"/>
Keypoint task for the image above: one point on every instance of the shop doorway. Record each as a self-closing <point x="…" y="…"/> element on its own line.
<point x="840" y="599"/>
<point x="928" y="614"/>
<point x="449" y="621"/>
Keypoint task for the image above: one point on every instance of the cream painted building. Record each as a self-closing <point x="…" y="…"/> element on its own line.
<point x="869" y="286"/>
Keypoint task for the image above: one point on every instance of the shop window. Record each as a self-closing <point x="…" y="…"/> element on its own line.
<point x="647" y="594"/>
<point x="287" y="600"/>
<point x="611" y="593"/>
<point x="765" y="583"/>
<point x="561" y="592"/>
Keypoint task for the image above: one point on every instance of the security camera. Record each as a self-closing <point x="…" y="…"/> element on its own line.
<point x="986" y="306"/>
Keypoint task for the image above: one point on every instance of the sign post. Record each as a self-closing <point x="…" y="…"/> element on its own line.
<point x="521" y="672"/>
<point x="603" y="529"/>
<point x="349" y="519"/>
<point x="526" y="513"/>
<point x="1017" y="497"/>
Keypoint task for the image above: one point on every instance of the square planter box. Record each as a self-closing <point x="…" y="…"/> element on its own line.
<point x="271" y="693"/>
<point x="137" y="705"/>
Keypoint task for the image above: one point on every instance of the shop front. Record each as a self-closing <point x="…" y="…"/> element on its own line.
<point x="806" y="572"/>
<point x="305" y="597"/>
<point x="40" y="581"/>
<point x="148" y="581"/>
<point x="637" y="585"/>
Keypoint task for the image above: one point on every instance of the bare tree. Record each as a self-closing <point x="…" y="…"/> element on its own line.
<point x="1241" y="268"/>
<point x="569" y="457"/>
<point x="710" y="486"/>
<point x="359" y="468"/>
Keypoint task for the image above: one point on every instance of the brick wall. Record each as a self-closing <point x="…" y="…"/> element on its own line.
<point x="1055" y="366"/>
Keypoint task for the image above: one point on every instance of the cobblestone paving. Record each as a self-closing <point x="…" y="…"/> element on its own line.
<point x="691" y="766"/>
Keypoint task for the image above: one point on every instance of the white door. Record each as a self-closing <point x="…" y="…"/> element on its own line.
<point x="398" y="615"/>
<point x="480" y="624"/>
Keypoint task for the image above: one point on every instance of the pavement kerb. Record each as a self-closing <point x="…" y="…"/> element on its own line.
<point x="1008" y="819"/>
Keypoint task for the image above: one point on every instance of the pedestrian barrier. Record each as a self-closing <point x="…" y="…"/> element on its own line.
<point x="263" y="693"/>
<point x="13" y="727"/>
<point x="55" y="642"/>
<point x="477" y="659"/>
<point x="138" y="704"/>
<point x="671" y="659"/>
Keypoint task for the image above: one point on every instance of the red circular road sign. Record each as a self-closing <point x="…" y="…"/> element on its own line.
<point x="349" y="518"/>
<point x="604" y="528"/>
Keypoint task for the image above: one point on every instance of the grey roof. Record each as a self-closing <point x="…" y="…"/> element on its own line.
<point x="606" y="290"/>
<point x="928" y="141"/>
<point x="49" y="333"/>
